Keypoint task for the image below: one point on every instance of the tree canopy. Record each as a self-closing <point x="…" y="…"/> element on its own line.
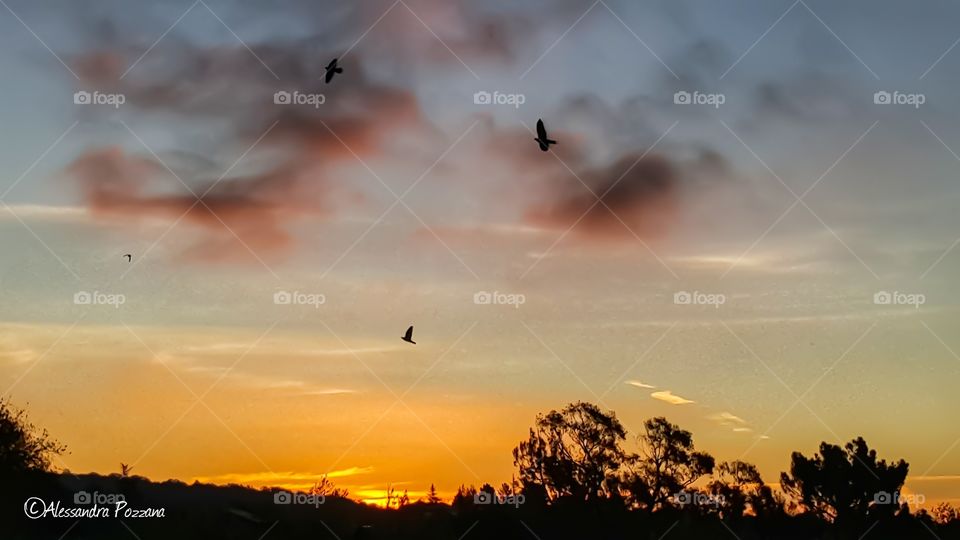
<point x="23" y="446"/>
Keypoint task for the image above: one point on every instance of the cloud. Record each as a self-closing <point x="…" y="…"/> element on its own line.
<point x="935" y="478"/>
<point x="67" y="214"/>
<point x="231" y="347"/>
<point x="732" y="421"/>
<point x="280" y="478"/>
<point x="125" y="187"/>
<point x="636" y="195"/>
<point x="229" y="92"/>
<point x="642" y="196"/>
<point x="328" y="392"/>
<point x="669" y="397"/>
<point x="726" y="418"/>
<point x="212" y="360"/>
<point x="638" y="384"/>
<point x="18" y="356"/>
<point x="295" y="170"/>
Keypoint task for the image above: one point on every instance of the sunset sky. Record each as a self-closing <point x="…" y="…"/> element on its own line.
<point x="399" y="198"/>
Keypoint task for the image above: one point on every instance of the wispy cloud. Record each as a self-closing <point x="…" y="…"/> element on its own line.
<point x="296" y="387"/>
<point x="229" y="347"/>
<point x="328" y="392"/>
<point x="639" y="384"/>
<point x="732" y="421"/>
<point x="935" y="478"/>
<point x="18" y="356"/>
<point x="39" y="211"/>
<point x="669" y="397"/>
<point x="280" y="479"/>
<point x="726" y="418"/>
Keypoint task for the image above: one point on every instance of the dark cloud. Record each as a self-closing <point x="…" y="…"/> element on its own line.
<point x="255" y="208"/>
<point x="641" y="192"/>
<point x="228" y="91"/>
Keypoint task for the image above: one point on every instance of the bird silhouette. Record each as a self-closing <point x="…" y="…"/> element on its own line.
<point x="129" y="257"/>
<point x="408" y="337"/>
<point x="542" y="138"/>
<point x="332" y="69"/>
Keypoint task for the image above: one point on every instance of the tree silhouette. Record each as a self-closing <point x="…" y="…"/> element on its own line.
<point x="845" y="485"/>
<point x="23" y="446"/>
<point x="576" y="482"/>
<point x="432" y="496"/>
<point x="944" y="513"/>
<point x="464" y="497"/>
<point x="511" y="489"/>
<point x="572" y="453"/>
<point x="327" y="488"/>
<point x="666" y="465"/>
<point x="739" y="489"/>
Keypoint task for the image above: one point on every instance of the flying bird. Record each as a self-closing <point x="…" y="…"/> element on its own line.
<point x="129" y="257"/>
<point x="332" y="69"/>
<point x="408" y="337"/>
<point x="542" y="138"/>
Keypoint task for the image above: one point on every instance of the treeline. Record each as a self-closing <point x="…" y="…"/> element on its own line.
<point x="575" y="478"/>
<point x="577" y="457"/>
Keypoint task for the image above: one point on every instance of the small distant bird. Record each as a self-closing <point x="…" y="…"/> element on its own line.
<point x="408" y="337"/>
<point x="129" y="257"/>
<point x="332" y="69"/>
<point x="542" y="138"/>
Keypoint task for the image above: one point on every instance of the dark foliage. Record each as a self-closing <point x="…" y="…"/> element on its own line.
<point x="576" y="481"/>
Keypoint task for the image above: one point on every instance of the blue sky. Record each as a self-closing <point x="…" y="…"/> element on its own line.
<point x="701" y="199"/>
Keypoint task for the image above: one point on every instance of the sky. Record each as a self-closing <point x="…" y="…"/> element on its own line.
<point x="748" y="226"/>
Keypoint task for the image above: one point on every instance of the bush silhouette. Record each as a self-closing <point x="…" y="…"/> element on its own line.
<point x="23" y="446"/>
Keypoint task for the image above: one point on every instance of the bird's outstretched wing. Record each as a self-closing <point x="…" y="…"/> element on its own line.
<point x="541" y="131"/>
<point x="409" y="335"/>
<point x="331" y="70"/>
